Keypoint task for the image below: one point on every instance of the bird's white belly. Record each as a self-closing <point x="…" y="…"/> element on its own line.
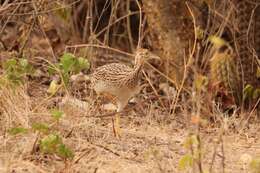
<point x="119" y="92"/>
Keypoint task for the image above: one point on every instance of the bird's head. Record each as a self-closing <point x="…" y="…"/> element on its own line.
<point x="143" y="55"/>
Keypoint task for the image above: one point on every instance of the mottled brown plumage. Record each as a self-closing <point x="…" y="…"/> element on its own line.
<point x="120" y="80"/>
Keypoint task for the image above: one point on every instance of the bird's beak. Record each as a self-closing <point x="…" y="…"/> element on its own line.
<point x="156" y="58"/>
<point x="153" y="56"/>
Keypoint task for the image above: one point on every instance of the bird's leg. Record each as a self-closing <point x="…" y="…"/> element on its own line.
<point x="116" y="125"/>
<point x="116" y="121"/>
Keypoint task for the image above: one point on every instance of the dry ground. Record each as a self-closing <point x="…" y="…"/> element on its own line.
<point x="151" y="140"/>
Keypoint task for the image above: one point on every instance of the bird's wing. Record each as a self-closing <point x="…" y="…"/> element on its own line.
<point x="113" y="73"/>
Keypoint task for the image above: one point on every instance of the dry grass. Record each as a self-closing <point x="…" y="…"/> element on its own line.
<point x="155" y="126"/>
<point x="151" y="140"/>
<point x="15" y="107"/>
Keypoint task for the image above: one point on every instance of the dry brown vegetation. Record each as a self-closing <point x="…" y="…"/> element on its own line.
<point x="198" y="113"/>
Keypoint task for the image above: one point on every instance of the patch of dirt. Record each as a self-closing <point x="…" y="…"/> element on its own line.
<point x="150" y="142"/>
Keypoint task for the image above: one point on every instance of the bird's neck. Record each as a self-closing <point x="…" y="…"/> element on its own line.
<point x="138" y="67"/>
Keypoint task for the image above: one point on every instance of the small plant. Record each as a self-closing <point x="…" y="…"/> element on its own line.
<point x="189" y="161"/>
<point x="250" y="93"/>
<point x="49" y="141"/>
<point x="17" y="130"/>
<point x="223" y="71"/>
<point x="186" y="162"/>
<point x="217" y="41"/>
<point x="41" y="127"/>
<point x="69" y="65"/>
<point x="15" y="70"/>
<point x="200" y="83"/>
<point x="57" y="114"/>
<point x="52" y="144"/>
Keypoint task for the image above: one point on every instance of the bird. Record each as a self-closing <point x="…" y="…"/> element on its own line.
<point x="120" y="80"/>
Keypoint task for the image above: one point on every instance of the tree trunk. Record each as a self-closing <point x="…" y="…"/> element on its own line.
<point x="171" y="32"/>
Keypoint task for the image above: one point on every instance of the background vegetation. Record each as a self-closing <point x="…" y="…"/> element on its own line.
<point x="199" y="113"/>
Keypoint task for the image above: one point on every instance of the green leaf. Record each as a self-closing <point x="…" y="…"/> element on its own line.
<point x="200" y="82"/>
<point x="15" y="77"/>
<point x="200" y="33"/>
<point x="25" y="66"/>
<point x="9" y="64"/>
<point x="217" y="41"/>
<point x="57" y="114"/>
<point x="256" y="93"/>
<point x="189" y="141"/>
<point x="50" y="143"/>
<point x="65" y="78"/>
<point x="185" y="162"/>
<point x="3" y="81"/>
<point x="52" y="69"/>
<point x="83" y="64"/>
<point x="15" y="71"/>
<point x="248" y="92"/>
<point x="67" y="62"/>
<point x="65" y="152"/>
<point x="41" y="127"/>
<point x="17" y="130"/>
<point x="23" y="62"/>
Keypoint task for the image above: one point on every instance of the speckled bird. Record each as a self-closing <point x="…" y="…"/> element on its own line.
<point x="120" y="80"/>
